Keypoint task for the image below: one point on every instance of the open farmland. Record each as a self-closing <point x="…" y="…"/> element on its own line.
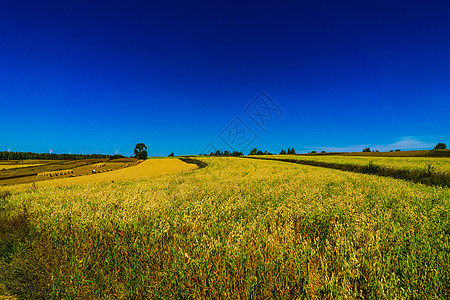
<point x="411" y="153"/>
<point x="144" y="170"/>
<point x="238" y="228"/>
<point x="411" y="163"/>
<point x="53" y="169"/>
<point x="430" y="170"/>
<point x="5" y="166"/>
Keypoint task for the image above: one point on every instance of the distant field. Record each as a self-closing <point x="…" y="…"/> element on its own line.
<point x="440" y="164"/>
<point x="145" y="170"/>
<point x="415" y="153"/>
<point x="27" y="161"/>
<point x="4" y="167"/>
<point x="235" y="229"/>
<point x="29" y="172"/>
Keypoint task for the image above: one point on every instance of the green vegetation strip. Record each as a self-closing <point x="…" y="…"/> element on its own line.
<point x="427" y="176"/>
<point x="190" y="160"/>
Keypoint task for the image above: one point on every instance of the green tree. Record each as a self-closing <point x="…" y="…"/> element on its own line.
<point x="253" y="151"/>
<point x="283" y="151"/>
<point x="440" y="146"/>
<point x="366" y="149"/>
<point x="140" y="151"/>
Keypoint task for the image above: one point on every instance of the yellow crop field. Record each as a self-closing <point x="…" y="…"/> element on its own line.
<point x="145" y="170"/>
<point x="440" y="164"/>
<point x="236" y="229"/>
<point x="6" y="167"/>
<point x="435" y="171"/>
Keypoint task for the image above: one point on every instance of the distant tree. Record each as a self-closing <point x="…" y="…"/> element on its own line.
<point x="259" y="152"/>
<point x="391" y="150"/>
<point x="282" y="151"/>
<point x="323" y="151"/>
<point x="440" y="146"/>
<point x="253" y="151"/>
<point x="366" y="149"/>
<point x="377" y="151"/>
<point x="396" y="150"/>
<point x="140" y="151"/>
<point x="291" y="151"/>
<point x="314" y="151"/>
<point x="236" y="153"/>
<point x="171" y="154"/>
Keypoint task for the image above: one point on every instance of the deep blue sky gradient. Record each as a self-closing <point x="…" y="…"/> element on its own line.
<point x="101" y="76"/>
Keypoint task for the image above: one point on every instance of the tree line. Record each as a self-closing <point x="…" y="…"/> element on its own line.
<point x="9" y="155"/>
<point x="224" y="153"/>
<point x="255" y="151"/>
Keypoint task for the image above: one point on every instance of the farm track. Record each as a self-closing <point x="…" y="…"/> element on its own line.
<point x="428" y="176"/>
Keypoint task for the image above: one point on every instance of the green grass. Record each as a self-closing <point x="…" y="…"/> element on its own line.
<point x="237" y="228"/>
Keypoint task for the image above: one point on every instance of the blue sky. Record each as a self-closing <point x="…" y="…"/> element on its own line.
<point x="101" y="76"/>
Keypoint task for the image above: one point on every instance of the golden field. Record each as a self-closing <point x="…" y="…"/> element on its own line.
<point x="5" y="166"/>
<point x="422" y="163"/>
<point x="236" y="229"/>
<point x="145" y="170"/>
